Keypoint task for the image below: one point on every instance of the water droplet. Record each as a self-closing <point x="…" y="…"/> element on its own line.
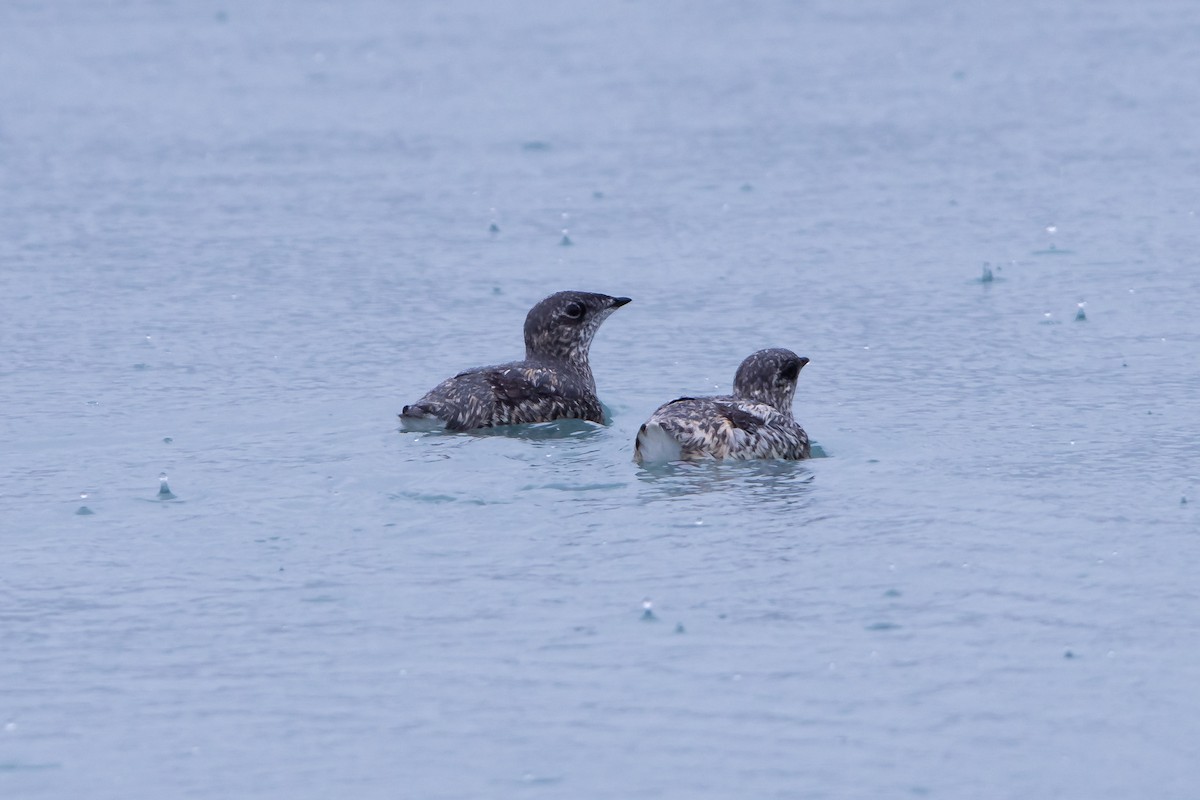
<point x="1080" y="315"/>
<point x="679" y="628"/>
<point x="164" y="491"/>
<point x="648" y="611"/>
<point x="1183" y="501"/>
<point x="987" y="274"/>
<point x="84" y="511"/>
<point x="493" y="228"/>
<point x="167" y="440"/>
<point x="566" y="239"/>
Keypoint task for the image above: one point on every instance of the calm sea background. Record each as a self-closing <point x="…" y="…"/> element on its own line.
<point x="236" y="238"/>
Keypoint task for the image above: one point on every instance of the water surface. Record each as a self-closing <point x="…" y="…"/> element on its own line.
<point x="235" y="240"/>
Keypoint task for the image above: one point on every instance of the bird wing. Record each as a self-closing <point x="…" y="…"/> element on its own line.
<point x="506" y="394"/>
<point x="721" y="428"/>
<point x="740" y="418"/>
<point x="697" y="424"/>
<point x="529" y="394"/>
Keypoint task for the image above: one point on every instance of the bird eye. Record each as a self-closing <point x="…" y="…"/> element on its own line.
<point x="574" y="310"/>
<point x="791" y="371"/>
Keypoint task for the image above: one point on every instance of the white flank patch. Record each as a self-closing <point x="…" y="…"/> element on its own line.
<point x="655" y="445"/>
<point x="422" y="423"/>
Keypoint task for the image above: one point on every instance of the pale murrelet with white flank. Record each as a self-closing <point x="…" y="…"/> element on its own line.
<point x="754" y="422"/>
<point x="554" y="381"/>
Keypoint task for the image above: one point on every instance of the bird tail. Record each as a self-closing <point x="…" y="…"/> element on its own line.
<point x="655" y="445"/>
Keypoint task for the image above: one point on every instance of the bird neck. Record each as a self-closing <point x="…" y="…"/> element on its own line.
<point x="573" y="353"/>
<point x="780" y="401"/>
<point x="572" y="362"/>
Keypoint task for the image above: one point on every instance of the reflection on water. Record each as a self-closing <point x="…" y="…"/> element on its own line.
<point x="225" y="255"/>
<point x="783" y="483"/>
<point x="576" y="429"/>
<point x="558" y="429"/>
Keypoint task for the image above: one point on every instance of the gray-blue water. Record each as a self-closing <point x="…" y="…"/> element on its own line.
<point x="235" y="238"/>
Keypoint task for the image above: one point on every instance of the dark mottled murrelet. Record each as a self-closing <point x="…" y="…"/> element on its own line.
<point x="754" y="422"/>
<point x="553" y="382"/>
